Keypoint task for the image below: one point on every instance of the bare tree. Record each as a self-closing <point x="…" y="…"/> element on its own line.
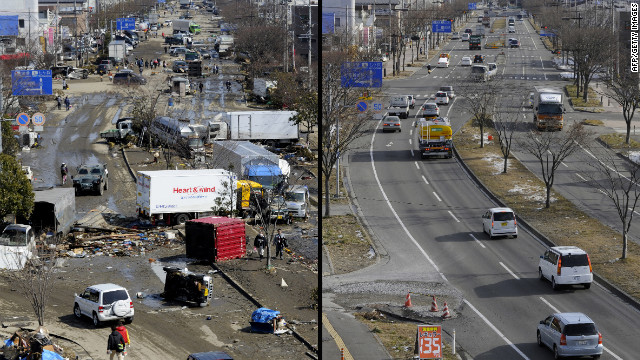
<point x="619" y="182"/>
<point x="551" y="148"/>
<point x="480" y="101"/>
<point x="624" y="89"/>
<point x="506" y="123"/>
<point x="341" y="124"/>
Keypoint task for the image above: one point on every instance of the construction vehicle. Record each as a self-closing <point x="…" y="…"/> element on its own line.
<point x="435" y="137"/>
<point x="183" y="285"/>
<point x="249" y="193"/>
<point x="475" y="42"/>
<point x="548" y="108"/>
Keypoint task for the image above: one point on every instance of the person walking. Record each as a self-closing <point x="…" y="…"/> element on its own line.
<point x="59" y="100"/>
<point x="67" y="103"/>
<point x="115" y="344"/>
<point x="281" y="242"/>
<point x="201" y="86"/>
<point x="260" y="243"/>
<point x="125" y="334"/>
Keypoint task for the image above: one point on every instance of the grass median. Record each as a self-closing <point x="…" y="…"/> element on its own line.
<point x="563" y="223"/>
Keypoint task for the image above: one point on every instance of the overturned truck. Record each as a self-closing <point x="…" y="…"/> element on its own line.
<point x="183" y="285"/>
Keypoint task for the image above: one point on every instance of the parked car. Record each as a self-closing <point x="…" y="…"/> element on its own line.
<point x="391" y="123"/>
<point x="442" y="98"/>
<point x="178" y="51"/>
<point x="449" y="90"/>
<point x="78" y="73"/>
<point x="128" y="78"/>
<point x="104" y="302"/>
<point x="570" y="334"/>
<point x="466" y="61"/>
<point x="212" y="355"/>
<point x="566" y="265"/>
<point x="431" y="109"/>
<point x="500" y="221"/>
<point x="180" y="66"/>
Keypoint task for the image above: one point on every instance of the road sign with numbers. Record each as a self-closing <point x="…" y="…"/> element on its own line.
<point x="429" y="339"/>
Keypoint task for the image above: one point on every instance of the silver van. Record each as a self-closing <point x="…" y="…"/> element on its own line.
<point x="566" y="265"/>
<point x="499" y="222"/>
<point x="297" y="199"/>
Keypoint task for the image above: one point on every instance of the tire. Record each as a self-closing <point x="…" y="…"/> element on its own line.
<point x="96" y="321"/>
<point x="554" y="286"/>
<point x="76" y="311"/>
<point x="540" y="275"/>
<point x="587" y="285"/>
<point x="181" y="219"/>
<point x="539" y="338"/>
<point x="596" y="356"/>
<point x="555" y="353"/>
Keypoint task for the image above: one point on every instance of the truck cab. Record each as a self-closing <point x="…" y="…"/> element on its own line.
<point x="17" y="245"/>
<point x="297" y="198"/>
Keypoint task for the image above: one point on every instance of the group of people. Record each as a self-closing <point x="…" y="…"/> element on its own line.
<point x="118" y="341"/>
<point x="67" y="102"/>
<point x="260" y="243"/>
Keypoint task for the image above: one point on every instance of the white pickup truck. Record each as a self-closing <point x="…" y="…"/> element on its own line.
<point x="399" y="106"/>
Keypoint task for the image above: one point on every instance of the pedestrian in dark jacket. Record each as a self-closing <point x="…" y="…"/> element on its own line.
<point x="59" y="100"/>
<point x="67" y="103"/>
<point x="280" y="242"/>
<point x="260" y="243"/>
<point x="115" y="344"/>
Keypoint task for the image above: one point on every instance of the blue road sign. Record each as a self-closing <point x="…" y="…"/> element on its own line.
<point x="161" y="1"/>
<point x="377" y="107"/>
<point x="125" y="24"/>
<point x="22" y="119"/>
<point x="441" y="26"/>
<point x="472" y="6"/>
<point x="361" y="74"/>
<point x="31" y="82"/>
<point x="38" y="119"/>
<point x="362" y="106"/>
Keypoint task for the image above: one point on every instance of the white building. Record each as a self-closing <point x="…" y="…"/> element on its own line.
<point x="19" y="26"/>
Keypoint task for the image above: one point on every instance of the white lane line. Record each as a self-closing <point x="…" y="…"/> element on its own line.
<point x="411" y="152"/>
<point x="409" y="141"/>
<point x="417" y="166"/>
<point x="453" y="216"/>
<point x="634" y="211"/>
<point x="510" y="272"/>
<point x="425" y="179"/>
<point x="410" y="132"/>
<point x="478" y="241"/>
<point x="496" y="330"/>
<point x="581" y="177"/>
<point x="549" y="305"/>
<point x="602" y="191"/>
<point x="563" y="164"/>
<point x="436" y="195"/>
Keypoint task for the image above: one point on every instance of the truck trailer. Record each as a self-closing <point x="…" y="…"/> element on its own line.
<point x="435" y="137"/>
<point x="118" y="50"/>
<point x="548" y="108"/>
<point x="475" y="42"/>
<point x="270" y="127"/>
<point x="175" y="196"/>
<point x="248" y="161"/>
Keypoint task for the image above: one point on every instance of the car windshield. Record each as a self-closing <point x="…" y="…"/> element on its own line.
<point x="95" y="171"/>
<point x="552" y="109"/>
<point x="574" y="260"/>
<point x="13" y="237"/>
<point x="296" y="197"/>
<point x="580" y="329"/>
<point x="503" y="216"/>
<point x="441" y="94"/>
<point x="430" y="106"/>
<point x="109" y="297"/>
<point x="83" y="172"/>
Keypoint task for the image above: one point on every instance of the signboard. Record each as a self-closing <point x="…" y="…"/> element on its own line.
<point x="38" y="119"/>
<point x="126" y="24"/>
<point x="429" y="341"/>
<point x="31" y="82"/>
<point x="328" y="20"/>
<point x="22" y="119"/>
<point x="9" y="25"/>
<point x="441" y="26"/>
<point x="472" y="6"/>
<point x="361" y="106"/>
<point x="377" y="107"/>
<point x="361" y="74"/>
<point x="162" y="1"/>
<point x="544" y="32"/>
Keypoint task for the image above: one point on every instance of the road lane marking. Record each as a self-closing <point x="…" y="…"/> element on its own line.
<point x="425" y="179"/>
<point x="410" y="133"/>
<point x="478" y="241"/>
<point x="336" y="337"/>
<point x="453" y="216"/>
<point x="563" y="164"/>
<point x="510" y="272"/>
<point x="504" y="338"/>
<point x="411" y="152"/>
<point x="417" y="166"/>
<point x="581" y="177"/>
<point x="436" y="195"/>
<point x="549" y="305"/>
<point x="409" y="141"/>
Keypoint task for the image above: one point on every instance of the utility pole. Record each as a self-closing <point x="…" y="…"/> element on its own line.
<point x="75" y="29"/>
<point x="310" y="33"/>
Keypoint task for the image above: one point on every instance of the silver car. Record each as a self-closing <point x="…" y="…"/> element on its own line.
<point x="570" y="334"/>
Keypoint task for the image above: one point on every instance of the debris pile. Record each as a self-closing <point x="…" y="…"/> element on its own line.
<point x="34" y="345"/>
<point x="123" y="242"/>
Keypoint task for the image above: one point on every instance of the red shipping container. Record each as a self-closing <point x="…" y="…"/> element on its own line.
<point x="215" y="238"/>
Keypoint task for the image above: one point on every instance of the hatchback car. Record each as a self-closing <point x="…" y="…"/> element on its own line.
<point x="468" y="31"/>
<point x="442" y="98"/>
<point x="449" y="90"/>
<point x="431" y="109"/>
<point x="104" y="302"/>
<point x="566" y="265"/>
<point x="514" y="43"/>
<point x="17" y="246"/>
<point x="570" y="334"/>
<point x="466" y="61"/>
<point x="499" y="222"/>
<point x="391" y="123"/>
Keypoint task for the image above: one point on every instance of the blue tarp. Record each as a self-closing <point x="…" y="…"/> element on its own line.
<point x="8" y="342"/>
<point x="50" y="355"/>
<point x="264" y="315"/>
<point x="9" y="25"/>
<point x="263" y="170"/>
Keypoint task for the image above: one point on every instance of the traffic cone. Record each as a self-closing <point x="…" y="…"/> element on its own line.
<point x="434" y="305"/>
<point x="446" y="313"/>
<point x="408" y="302"/>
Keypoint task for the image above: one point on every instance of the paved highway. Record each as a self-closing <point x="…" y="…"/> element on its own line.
<point x="426" y="217"/>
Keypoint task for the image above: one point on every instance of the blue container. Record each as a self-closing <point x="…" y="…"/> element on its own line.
<point x="170" y="101"/>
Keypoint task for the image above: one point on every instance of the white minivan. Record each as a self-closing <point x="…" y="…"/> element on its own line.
<point x="566" y="265"/>
<point x="500" y="222"/>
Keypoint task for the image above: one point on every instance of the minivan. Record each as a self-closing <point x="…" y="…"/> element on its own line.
<point x="566" y="265"/>
<point x="297" y="199"/>
<point x="570" y="334"/>
<point x="500" y="222"/>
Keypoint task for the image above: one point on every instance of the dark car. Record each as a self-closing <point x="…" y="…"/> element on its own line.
<point x="91" y="178"/>
<point x="128" y="78"/>
<point x="180" y="66"/>
<point x="173" y="40"/>
<point x="212" y="355"/>
<point x="514" y="43"/>
<point x="478" y="59"/>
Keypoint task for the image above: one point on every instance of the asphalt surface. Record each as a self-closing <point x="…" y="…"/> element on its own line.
<point x="426" y="215"/>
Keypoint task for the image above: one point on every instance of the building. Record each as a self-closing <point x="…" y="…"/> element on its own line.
<point x="302" y="32"/>
<point x="19" y="27"/>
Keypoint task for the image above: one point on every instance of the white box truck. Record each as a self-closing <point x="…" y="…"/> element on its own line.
<point x="118" y="50"/>
<point x="175" y="196"/>
<point x="181" y="25"/>
<point x="548" y="108"/>
<point x="270" y="127"/>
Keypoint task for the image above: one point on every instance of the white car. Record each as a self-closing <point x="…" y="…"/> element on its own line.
<point x="17" y="245"/>
<point x="566" y="265"/>
<point x="465" y="37"/>
<point x="104" y="302"/>
<point x="455" y="36"/>
<point x="442" y="98"/>
<point x="499" y="222"/>
<point x="443" y="62"/>
<point x="466" y="61"/>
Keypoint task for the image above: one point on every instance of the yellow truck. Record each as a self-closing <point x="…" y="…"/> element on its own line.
<point x="435" y="137"/>
<point x="248" y="193"/>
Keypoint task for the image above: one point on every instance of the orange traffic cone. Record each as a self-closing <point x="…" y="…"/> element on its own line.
<point x="408" y="302"/>
<point x="434" y="305"/>
<point x="446" y="313"/>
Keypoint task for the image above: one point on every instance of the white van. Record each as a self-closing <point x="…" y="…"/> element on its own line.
<point x="566" y="265"/>
<point x="465" y="37"/>
<point x="499" y="222"/>
<point x="297" y="199"/>
<point x="17" y="245"/>
<point x="512" y="29"/>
